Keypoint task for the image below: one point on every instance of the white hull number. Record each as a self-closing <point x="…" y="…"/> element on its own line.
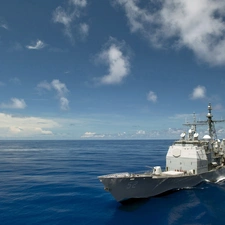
<point x="132" y="184"/>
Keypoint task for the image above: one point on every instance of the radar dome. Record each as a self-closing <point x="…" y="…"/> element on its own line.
<point x="206" y="137"/>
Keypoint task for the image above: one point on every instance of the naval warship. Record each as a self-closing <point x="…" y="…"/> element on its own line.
<point x="189" y="161"/>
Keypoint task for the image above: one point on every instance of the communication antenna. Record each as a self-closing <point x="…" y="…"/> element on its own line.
<point x="210" y="122"/>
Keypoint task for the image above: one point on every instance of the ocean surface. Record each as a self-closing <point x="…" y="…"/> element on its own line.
<point x="55" y="182"/>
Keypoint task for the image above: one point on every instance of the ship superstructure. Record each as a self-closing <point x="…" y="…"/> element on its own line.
<point x="189" y="161"/>
<point x="194" y="156"/>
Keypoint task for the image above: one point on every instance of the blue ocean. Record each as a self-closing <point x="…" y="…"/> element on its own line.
<point x="55" y="182"/>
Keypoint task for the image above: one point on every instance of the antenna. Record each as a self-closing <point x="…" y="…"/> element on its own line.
<point x="192" y="125"/>
<point x="210" y="122"/>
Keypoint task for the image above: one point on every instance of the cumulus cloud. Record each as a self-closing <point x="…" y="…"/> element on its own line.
<point x="14" y="126"/>
<point x="60" y="89"/>
<point x="61" y="16"/>
<point x="80" y="3"/>
<point x="15" y="130"/>
<point x="37" y="45"/>
<point x="140" y="132"/>
<point x="88" y="134"/>
<point x="44" y="85"/>
<point x="64" y="103"/>
<point x="92" y="135"/>
<point x="196" y="25"/>
<point x="117" y="60"/>
<point x="84" y="29"/>
<point x="15" y="103"/>
<point x="70" y="17"/>
<point x="138" y="17"/>
<point x="198" y="92"/>
<point x="151" y="96"/>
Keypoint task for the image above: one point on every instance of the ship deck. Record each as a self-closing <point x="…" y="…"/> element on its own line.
<point x="147" y="174"/>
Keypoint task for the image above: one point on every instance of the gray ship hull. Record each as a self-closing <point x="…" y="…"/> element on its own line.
<point x="133" y="186"/>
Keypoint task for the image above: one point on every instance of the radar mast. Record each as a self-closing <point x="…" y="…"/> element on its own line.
<point x="210" y="122"/>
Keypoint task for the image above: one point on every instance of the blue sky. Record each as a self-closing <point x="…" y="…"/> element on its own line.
<point x="109" y="69"/>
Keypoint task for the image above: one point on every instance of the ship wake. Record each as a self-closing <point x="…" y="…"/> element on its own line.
<point x="220" y="180"/>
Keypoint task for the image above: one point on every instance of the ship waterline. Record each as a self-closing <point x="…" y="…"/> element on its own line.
<point x="135" y="186"/>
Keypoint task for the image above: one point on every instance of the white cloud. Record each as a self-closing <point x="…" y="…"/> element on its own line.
<point x="117" y="61"/>
<point x="44" y="85"/>
<point x="199" y="92"/>
<point x="69" y="17"/>
<point x="138" y="18"/>
<point x="196" y="25"/>
<point x="15" y="103"/>
<point x="92" y="135"/>
<point x="45" y="132"/>
<point x="140" y="132"/>
<point x="60" y="89"/>
<point x="80" y="3"/>
<point x="15" y="130"/>
<point x="38" y="45"/>
<point x="151" y="96"/>
<point x="175" y="131"/>
<point x="12" y="126"/>
<point x="88" y="134"/>
<point x="84" y="29"/>
<point x="64" y="103"/>
<point x="61" y="16"/>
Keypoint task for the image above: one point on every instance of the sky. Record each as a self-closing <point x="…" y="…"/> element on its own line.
<point x="110" y="69"/>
